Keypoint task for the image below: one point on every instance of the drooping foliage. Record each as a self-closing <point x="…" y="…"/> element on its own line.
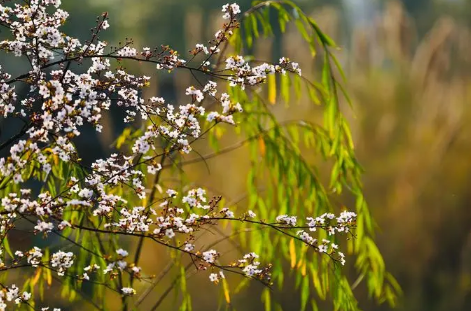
<point x="87" y="213"/>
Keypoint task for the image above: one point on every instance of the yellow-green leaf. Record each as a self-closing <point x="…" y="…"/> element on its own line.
<point x="271" y="79"/>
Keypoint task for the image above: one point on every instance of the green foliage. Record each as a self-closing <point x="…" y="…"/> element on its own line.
<point x="286" y="168"/>
<point x="305" y="167"/>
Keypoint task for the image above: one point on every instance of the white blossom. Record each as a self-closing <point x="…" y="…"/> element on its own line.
<point x="128" y="291"/>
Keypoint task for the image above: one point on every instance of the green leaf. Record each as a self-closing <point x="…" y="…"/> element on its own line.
<point x="266" y="299"/>
<point x="285" y="84"/>
<point x="248" y="32"/>
<point x="6" y="245"/>
<point x="302" y="30"/>
<point x="304" y="293"/>
<point x="123" y="137"/>
<point x="323" y="38"/>
<point x="253" y="21"/>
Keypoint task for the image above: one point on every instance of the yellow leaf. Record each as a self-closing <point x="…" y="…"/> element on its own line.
<point x="122" y="138"/>
<point x="271" y="79"/>
<point x="292" y="253"/>
<point x="36" y="277"/>
<point x="318" y="286"/>
<point x="48" y="277"/>
<point x="218" y="131"/>
<point x="261" y="146"/>
<point x="300" y="263"/>
<point x="226" y="291"/>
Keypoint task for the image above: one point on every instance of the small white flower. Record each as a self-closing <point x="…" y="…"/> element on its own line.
<point x="189" y="247"/>
<point x="43" y="226"/>
<point x="172" y="193"/>
<point x="322" y="248"/>
<point x="26" y="296"/>
<point x="128" y="291"/>
<point x="169" y="233"/>
<point x="210" y="256"/>
<point x="213" y="277"/>
<point x="85" y="193"/>
<point x="121" y="252"/>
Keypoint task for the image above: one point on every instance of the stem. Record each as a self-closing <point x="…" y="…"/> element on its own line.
<point x="16" y="136"/>
<point x="141" y="239"/>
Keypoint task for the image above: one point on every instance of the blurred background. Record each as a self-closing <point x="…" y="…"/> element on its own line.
<point x="408" y="65"/>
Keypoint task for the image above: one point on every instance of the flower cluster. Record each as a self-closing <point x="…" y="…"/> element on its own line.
<point x="112" y="195"/>
<point x="288" y="220"/>
<point x="88" y="269"/>
<point x="7" y="93"/>
<point x="117" y="265"/>
<point x="196" y="198"/>
<point x="230" y="10"/>
<point x="62" y="261"/>
<point x="333" y="224"/>
<point x="245" y="74"/>
<point x="33" y="256"/>
<point x="251" y="265"/>
<point x="228" y="109"/>
<point x="12" y="293"/>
